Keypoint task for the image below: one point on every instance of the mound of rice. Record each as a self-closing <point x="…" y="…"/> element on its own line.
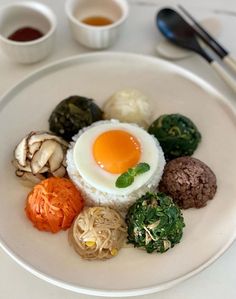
<point x="95" y="197"/>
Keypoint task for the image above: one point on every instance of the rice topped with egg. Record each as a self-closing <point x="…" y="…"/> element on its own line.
<point x="95" y="181"/>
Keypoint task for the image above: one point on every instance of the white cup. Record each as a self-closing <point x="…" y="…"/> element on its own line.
<point x="27" y="14"/>
<point x="96" y="37"/>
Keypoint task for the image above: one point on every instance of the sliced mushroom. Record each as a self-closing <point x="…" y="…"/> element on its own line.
<point x="42" y="156"/>
<point x="21" y="152"/>
<point x="33" y="149"/>
<point x="25" y="168"/>
<point x="42" y="136"/>
<point x="64" y="161"/>
<point x="28" y="179"/>
<point x="56" y="159"/>
<point x="19" y="173"/>
<point x="33" y="179"/>
<point x="40" y="153"/>
<point x="60" y="172"/>
<point x="44" y="169"/>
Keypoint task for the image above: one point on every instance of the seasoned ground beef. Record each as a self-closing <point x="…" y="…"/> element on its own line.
<point x="189" y="181"/>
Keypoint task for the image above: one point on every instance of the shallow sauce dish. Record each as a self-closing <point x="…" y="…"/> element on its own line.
<point x="209" y="231"/>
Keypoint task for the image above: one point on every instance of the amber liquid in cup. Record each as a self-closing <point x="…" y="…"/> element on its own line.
<point x="97" y="21"/>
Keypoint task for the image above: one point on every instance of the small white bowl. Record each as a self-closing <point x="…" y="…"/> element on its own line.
<point x="96" y="37"/>
<point x="27" y="14"/>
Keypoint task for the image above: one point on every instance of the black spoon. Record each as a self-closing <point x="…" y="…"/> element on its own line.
<point x="180" y="33"/>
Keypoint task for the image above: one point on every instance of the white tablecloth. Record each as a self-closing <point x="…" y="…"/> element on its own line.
<point x="218" y="281"/>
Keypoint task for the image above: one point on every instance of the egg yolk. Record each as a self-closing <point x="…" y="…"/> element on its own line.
<point x="115" y="151"/>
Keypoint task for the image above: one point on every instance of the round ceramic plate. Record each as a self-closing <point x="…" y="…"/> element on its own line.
<point x="209" y="231"/>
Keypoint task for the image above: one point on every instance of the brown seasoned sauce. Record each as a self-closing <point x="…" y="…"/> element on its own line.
<point x="25" y="34"/>
<point x="97" y="21"/>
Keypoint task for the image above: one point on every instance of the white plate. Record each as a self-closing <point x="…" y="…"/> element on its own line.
<point x="209" y="231"/>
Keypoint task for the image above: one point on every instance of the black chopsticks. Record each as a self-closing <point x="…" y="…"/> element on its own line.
<point x="210" y="41"/>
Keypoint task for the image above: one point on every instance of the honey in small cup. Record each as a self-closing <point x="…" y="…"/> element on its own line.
<point x="96" y="23"/>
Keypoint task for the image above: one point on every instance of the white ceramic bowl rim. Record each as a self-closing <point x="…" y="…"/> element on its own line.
<point x="125" y="12"/>
<point x="50" y="16"/>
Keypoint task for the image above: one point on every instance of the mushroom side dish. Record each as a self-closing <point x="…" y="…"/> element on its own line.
<point x="40" y="155"/>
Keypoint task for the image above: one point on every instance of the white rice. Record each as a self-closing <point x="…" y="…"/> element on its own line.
<point x="95" y="197"/>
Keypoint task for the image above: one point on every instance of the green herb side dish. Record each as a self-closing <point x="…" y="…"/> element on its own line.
<point x="177" y="134"/>
<point x="154" y="223"/>
<point x="73" y="114"/>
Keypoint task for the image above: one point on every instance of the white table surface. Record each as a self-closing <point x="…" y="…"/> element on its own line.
<point x="219" y="280"/>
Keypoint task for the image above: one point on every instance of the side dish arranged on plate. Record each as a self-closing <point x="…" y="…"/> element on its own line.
<point x="111" y="177"/>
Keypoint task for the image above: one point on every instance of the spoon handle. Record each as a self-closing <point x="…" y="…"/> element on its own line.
<point x="230" y="61"/>
<point x="229" y="80"/>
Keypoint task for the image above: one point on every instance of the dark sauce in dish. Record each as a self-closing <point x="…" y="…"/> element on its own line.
<point x="97" y="21"/>
<point x="25" y="34"/>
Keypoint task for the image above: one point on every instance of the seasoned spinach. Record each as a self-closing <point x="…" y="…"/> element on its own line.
<point x="177" y="134"/>
<point x="154" y="222"/>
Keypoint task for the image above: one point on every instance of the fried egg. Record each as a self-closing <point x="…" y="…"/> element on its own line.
<point x="106" y="149"/>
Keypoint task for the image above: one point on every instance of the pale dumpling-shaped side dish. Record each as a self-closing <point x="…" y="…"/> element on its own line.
<point x="128" y="105"/>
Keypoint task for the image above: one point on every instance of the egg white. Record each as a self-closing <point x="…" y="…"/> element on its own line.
<point x="102" y="180"/>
